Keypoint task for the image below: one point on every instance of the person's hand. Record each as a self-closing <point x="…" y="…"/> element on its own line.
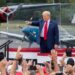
<point x="69" y="69"/>
<point x="54" y="59"/>
<point x="25" y="68"/>
<point x="64" y="55"/>
<point x="47" y="64"/>
<point x="40" y="70"/>
<point x="38" y="67"/>
<point x="48" y="67"/>
<point x="19" y="48"/>
<point x="10" y="62"/>
<point x="31" y="18"/>
<point x="28" y="22"/>
<point x="56" y="46"/>
<point x="3" y="64"/>
<point x="62" y="61"/>
<point x="54" y="54"/>
<point x="18" y="55"/>
<point x="30" y="62"/>
<point x="24" y="65"/>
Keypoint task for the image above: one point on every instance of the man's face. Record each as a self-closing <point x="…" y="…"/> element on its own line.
<point x="45" y="17"/>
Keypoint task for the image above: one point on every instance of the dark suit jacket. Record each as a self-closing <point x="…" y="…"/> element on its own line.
<point x="53" y="32"/>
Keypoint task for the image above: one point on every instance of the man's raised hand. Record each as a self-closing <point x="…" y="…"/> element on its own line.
<point x="28" y="22"/>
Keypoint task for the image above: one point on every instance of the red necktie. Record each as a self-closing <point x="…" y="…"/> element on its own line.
<point x="45" y="30"/>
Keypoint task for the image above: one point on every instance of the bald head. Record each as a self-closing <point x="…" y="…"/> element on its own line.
<point x="46" y="15"/>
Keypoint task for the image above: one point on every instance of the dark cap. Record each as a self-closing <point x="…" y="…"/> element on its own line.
<point x="1" y="56"/>
<point x="59" y="73"/>
<point x="70" y="61"/>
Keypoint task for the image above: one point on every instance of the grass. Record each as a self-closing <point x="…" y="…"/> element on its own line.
<point x="14" y="26"/>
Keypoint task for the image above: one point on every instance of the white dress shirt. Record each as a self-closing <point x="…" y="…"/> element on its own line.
<point x="42" y="32"/>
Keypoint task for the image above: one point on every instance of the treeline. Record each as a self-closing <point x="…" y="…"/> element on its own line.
<point x="5" y="2"/>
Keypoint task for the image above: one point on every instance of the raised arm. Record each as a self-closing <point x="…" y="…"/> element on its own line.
<point x="33" y="23"/>
<point x="40" y="69"/>
<point x="18" y="55"/>
<point x="3" y="64"/>
<point x="54" y="59"/>
<point x="25" y="67"/>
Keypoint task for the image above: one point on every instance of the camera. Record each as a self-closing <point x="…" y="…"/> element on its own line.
<point x="32" y="67"/>
<point x="59" y="73"/>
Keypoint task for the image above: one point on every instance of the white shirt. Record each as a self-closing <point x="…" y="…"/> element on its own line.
<point x="42" y="32"/>
<point x="18" y="70"/>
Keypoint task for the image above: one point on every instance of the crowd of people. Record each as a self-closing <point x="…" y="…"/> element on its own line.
<point x="20" y="66"/>
<point x="49" y="41"/>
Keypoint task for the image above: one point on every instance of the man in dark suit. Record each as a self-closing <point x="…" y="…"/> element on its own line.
<point x="48" y="32"/>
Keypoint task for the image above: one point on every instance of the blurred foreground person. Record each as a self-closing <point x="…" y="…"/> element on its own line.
<point x="3" y="63"/>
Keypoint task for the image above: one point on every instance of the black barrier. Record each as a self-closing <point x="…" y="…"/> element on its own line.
<point x="68" y="44"/>
<point x="6" y="47"/>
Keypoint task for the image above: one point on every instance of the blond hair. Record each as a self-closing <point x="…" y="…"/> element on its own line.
<point x="46" y="12"/>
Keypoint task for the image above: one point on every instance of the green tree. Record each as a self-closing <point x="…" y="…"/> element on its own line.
<point x="26" y="1"/>
<point x="50" y="1"/>
<point x="18" y="1"/>
<point x="72" y="1"/>
<point x="35" y="1"/>
<point x="2" y="2"/>
<point x="32" y="1"/>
